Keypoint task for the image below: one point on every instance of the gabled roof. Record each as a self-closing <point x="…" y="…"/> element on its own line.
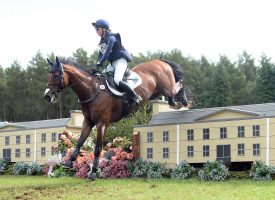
<point x="234" y="110"/>
<point x="193" y="115"/>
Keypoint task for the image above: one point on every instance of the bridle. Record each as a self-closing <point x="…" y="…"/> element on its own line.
<point x="62" y="86"/>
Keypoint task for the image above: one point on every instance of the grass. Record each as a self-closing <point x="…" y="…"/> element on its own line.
<point x="39" y="187"/>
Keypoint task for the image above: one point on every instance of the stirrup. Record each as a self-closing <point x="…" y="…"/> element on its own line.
<point x="137" y="99"/>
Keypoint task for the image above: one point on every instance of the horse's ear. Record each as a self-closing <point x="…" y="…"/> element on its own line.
<point x="49" y="62"/>
<point x="57" y="61"/>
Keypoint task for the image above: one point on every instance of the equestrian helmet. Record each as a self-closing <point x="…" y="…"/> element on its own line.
<point x="101" y="23"/>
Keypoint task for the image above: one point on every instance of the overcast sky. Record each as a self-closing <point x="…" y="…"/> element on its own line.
<point x="196" y="27"/>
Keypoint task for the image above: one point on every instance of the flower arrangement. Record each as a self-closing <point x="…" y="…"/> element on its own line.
<point x="113" y="160"/>
<point x="66" y="141"/>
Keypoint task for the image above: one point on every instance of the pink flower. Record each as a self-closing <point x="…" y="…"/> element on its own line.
<point x="123" y="155"/>
<point x="109" y="145"/>
<point x="63" y="137"/>
<point x="113" y="158"/>
<point x="119" y="149"/>
<point x="130" y="156"/>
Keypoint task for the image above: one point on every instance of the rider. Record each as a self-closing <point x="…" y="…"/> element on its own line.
<point x="111" y="49"/>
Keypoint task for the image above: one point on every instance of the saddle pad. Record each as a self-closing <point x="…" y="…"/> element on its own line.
<point x="133" y="80"/>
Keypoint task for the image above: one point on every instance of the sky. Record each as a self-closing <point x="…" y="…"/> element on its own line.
<point x="198" y="28"/>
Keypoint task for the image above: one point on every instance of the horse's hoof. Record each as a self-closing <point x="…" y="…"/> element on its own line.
<point x="68" y="164"/>
<point x="177" y="106"/>
<point x="92" y="176"/>
<point x="190" y="104"/>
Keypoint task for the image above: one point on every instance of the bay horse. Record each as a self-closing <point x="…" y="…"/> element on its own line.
<point x="100" y="107"/>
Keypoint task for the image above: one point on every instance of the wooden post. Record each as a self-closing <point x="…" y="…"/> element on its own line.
<point x="135" y="145"/>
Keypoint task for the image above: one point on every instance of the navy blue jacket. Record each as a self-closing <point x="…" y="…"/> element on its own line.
<point x="111" y="49"/>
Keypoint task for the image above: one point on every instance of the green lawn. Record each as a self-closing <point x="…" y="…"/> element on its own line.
<point x="38" y="187"/>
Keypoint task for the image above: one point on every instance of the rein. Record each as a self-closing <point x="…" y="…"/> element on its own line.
<point x="81" y="80"/>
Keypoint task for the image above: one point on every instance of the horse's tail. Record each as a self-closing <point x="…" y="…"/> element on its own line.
<point x="177" y="70"/>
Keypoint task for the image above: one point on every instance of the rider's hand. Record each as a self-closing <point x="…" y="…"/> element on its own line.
<point x="94" y="71"/>
<point x="98" y="65"/>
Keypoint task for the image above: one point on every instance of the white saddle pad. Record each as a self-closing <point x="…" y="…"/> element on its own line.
<point x="133" y="80"/>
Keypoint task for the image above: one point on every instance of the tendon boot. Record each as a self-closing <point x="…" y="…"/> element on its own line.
<point x="125" y="87"/>
<point x="184" y="98"/>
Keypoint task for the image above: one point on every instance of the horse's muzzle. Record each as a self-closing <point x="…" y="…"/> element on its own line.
<point x="49" y="96"/>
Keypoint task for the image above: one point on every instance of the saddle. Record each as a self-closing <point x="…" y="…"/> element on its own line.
<point x="130" y="77"/>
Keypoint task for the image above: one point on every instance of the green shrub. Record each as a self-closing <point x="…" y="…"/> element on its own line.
<point x="260" y="171"/>
<point x="148" y="169"/>
<point x="215" y="171"/>
<point x="60" y="171"/>
<point x="34" y="169"/>
<point x="3" y="166"/>
<point x="182" y="171"/>
<point x="20" y="168"/>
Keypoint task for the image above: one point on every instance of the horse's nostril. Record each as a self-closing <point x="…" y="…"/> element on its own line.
<point x="47" y="97"/>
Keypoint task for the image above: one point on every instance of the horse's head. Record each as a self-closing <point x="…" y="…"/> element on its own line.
<point x="55" y="80"/>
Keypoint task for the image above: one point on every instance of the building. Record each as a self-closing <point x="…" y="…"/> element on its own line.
<point x="35" y="140"/>
<point x="238" y="135"/>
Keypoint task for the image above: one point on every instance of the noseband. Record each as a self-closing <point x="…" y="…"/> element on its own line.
<point x="63" y="86"/>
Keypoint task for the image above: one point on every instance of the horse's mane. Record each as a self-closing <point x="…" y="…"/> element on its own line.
<point x="71" y="61"/>
<point x="177" y="69"/>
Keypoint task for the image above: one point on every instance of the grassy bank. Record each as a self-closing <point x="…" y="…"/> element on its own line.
<point x="38" y="187"/>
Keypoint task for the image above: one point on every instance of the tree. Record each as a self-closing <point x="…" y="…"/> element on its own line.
<point x="244" y="84"/>
<point x="221" y="94"/>
<point x="266" y="81"/>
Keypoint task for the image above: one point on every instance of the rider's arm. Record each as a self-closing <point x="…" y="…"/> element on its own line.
<point x="109" y="47"/>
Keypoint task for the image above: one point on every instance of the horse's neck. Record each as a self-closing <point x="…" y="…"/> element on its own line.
<point x="81" y="83"/>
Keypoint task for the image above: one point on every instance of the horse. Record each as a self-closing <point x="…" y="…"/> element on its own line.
<point x="100" y="107"/>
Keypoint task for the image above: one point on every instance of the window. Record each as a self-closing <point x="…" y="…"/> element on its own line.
<point x="18" y="138"/>
<point x="149" y="153"/>
<point x="240" y="149"/>
<point x="206" y="133"/>
<point x="165" y="152"/>
<point x="43" y="137"/>
<point x="205" y="150"/>
<point x="43" y="151"/>
<point x="53" y="137"/>
<point x="28" y="139"/>
<point x="7" y="140"/>
<point x="150" y="137"/>
<point x="223" y="133"/>
<point x="190" y="151"/>
<point x="240" y="131"/>
<point x="165" y="136"/>
<point x="17" y="153"/>
<point x="28" y="152"/>
<point x="256" y="130"/>
<point x="52" y="150"/>
<point x="190" y="134"/>
<point x="256" y="149"/>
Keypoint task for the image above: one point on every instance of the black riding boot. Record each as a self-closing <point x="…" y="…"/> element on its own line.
<point x="130" y="91"/>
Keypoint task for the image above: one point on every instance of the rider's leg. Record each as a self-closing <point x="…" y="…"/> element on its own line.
<point x="120" y="66"/>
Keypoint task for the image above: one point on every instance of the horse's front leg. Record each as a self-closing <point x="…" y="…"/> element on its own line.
<point x="101" y="130"/>
<point x="86" y="129"/>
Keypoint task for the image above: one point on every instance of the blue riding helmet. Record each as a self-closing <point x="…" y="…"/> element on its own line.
<point x="101" y="23"/>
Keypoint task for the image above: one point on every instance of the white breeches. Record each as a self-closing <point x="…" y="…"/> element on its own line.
<point x="118" y="67"/>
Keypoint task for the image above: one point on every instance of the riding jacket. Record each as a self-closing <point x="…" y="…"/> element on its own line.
<point x="111" y="49"/>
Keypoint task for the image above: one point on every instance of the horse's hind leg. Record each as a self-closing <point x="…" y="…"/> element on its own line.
<point x="174" y="90"/>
